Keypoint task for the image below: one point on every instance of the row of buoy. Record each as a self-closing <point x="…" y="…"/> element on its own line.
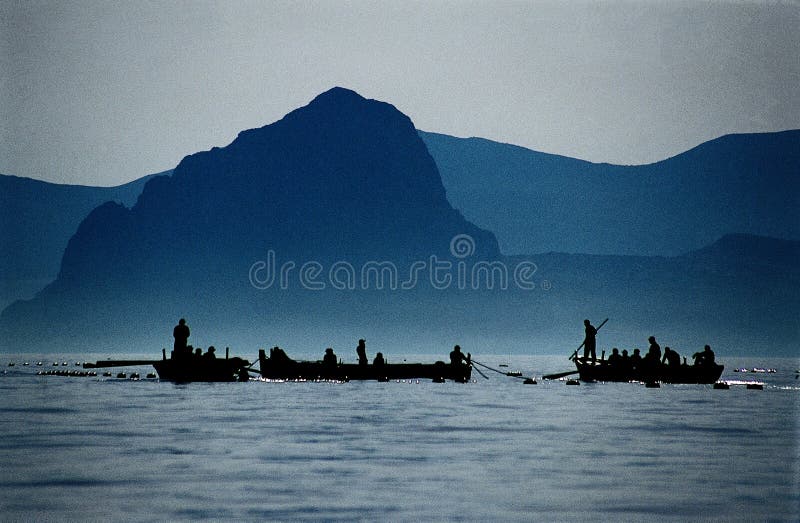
<point x="718" y="385"/>
<point x="756" y="370"/>
<point x="751" y="386"/>
<point x="77" y="373"/>
<point x="89" y="374"/>
<point x="41" y="363"/>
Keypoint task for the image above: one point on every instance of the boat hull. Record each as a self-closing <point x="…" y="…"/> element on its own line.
<point x="288" y="369"/>
<point x="201" y="369"/>
<point x="602" y="371"/>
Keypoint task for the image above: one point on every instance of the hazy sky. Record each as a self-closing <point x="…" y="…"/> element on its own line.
<point x="104" y="92"/>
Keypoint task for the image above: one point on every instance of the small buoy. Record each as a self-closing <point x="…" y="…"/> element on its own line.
<point x="25" y="364"/>
<point x="135" y="376"/>
<point x="438" y="380"/>
<point x="151" y="375"/>
<point x="11" y="364"/>
<point x="121" y="375"/>
<point x="55" y="364"/>
<point x="107" y="374"/>
<point x="573" y="382"/>
<point x="39" y="363"/>
<point x="652" y="385"/>
<point x="755" y="386"/>
<point x="722" y="385"/>
<point x="529" y="381"/>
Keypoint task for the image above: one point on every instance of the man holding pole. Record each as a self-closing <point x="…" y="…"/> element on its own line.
<point x="590" y="342"/>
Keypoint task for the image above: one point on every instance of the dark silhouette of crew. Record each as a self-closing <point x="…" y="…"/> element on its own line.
<point x="625" y="361"/>
<point x="590" y="342"/>
<point x="361" y="350"/>
<point x="456" y="356"/>
<point x="210" y="353"/>
<point x="671" y="358"/>
<point x="654" y="352"/>
<point x="615" y="359"/>
<point x="704" y="358"/>
<point x="636" y="359"/>
<point x="378" y="361"/>
<point x="181" y="335"/>
<point x="330" y="358"/>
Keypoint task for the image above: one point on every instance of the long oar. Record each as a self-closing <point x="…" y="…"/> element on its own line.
<point x="558" y="375"/>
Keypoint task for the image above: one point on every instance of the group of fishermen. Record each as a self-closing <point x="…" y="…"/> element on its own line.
<point x="456" y="356"/>
<point x="182" y="350"/>
<point x="634" y="361"/>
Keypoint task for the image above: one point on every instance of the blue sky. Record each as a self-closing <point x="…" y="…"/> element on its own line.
<point x="101" y="93"/>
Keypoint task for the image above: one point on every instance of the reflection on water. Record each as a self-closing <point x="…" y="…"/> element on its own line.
<point x="78" y="448"/>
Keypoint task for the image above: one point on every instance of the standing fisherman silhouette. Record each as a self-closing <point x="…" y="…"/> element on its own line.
<point x="181" y="335"/>
<point x="590" y="342"/>
<point x="654" y="351"/>
<point x="361" y="350"/>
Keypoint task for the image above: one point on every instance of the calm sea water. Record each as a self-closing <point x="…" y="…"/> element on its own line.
<point x="107" y="449"/>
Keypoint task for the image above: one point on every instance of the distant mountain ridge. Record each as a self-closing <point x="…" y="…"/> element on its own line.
<point x="538" y="202"/>
<point x="346" y="182"/>
<point x="37" y="219"/>
<point x="343" y="178"/>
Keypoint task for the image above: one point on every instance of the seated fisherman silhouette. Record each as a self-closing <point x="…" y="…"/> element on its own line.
<point x="625" y="361"/>
<point x="278" y="354"/>
<point x="704" y="358"/>
<point x="361" y="350"/>
<point x="330" y="358"/>
<point x="209" y="355"/>
<point x="615" y="359"/>
<point x="378" y="360"/>
<point x="671" y="357"/>
<point x="456" y="356"/>
<point x="636" y="359"/>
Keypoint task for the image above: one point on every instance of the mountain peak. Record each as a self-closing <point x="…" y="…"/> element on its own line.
<point x="339" y="93"/>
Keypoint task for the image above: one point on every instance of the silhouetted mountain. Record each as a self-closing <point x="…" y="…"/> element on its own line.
<point x="37" y="219"/>
<point x="343" y="178"/>
<point x="537" y="202"/>
<point x="322" y="196"/>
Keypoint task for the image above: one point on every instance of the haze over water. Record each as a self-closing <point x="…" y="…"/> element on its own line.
<point x="107" y="449"/>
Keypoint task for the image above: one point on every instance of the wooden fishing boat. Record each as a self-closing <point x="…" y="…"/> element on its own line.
<point x="603" y="371"/>
<point x="278" y="366"/>
<point x="188" y="367"/>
